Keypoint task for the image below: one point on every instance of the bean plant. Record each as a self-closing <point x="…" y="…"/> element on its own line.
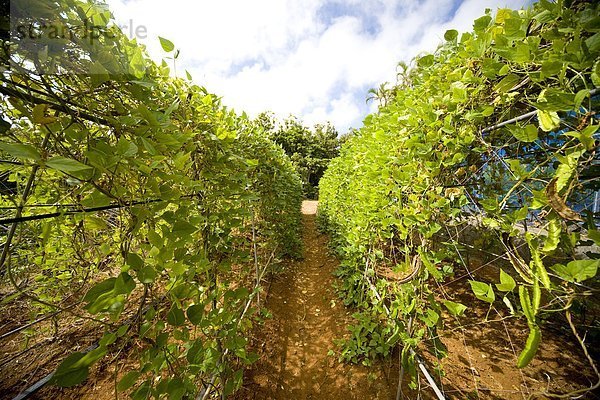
<point x="139" y="198"/>
<point x="436" y="159"/>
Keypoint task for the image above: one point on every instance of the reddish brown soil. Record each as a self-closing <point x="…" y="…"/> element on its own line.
<point x="306" y="319"/>
<point x="482" y="354"/>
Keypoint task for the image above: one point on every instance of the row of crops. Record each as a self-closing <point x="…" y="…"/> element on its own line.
<point x="134" y="205"/>
<point x="139" y="211"/>
<point x="436" y="164"/>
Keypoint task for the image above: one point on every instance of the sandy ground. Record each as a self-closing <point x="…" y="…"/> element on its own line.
<point x="309" y="207"/>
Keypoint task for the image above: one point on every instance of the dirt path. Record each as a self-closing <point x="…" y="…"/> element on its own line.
<point x="307" y="317"/>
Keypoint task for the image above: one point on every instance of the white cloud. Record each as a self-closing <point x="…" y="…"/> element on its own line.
<point x="315" y="59"/>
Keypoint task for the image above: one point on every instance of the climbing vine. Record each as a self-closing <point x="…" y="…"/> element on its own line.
<point x="436" y="159"/>
<point x="140" y="197"/>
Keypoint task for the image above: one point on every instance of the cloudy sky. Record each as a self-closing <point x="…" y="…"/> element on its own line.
<point x="315" y="59"/>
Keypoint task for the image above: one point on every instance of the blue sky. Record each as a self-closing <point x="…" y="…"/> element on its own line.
<point x="315" y="59"/>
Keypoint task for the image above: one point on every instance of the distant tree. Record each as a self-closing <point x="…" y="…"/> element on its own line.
<point x="266" y="120"/>
<point x="383" y="94"/>
<point x="309" y="150"/>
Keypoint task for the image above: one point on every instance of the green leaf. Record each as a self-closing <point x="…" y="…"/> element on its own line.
<point x="67" y="165"/>
<point x="596" y="78"/>
<point x="234" y="383"/>
<point x="520" y="54"/>
<point x="580" y="96"/>
<point x="155" y="239"/>
<point x="108" y="339"/>
<point x="459" y="91"/>
<point x="531" y="346"/>
<point x="433" y="271"/>
<point x="135" y="261"/>
<point x="39" y="115"/>
<point x="98" y="74"/>
<point x="166" y="44"/>
<point x="21" y="151"/>
<point x="177" y="268"/>
<point x="176" y="389"/>
<point x="126" y="148"/>
<point x="426" y="61"/>
<point x="594" y="235"/>
<point x="548" y="120"/>
<point x="451" y="35"/>
<point x="565" y="170"/>
<point x="482" y="23"/>
<point x="236" y="342"/>
<point x="195" y="313"/>
<point x="527" y="134"/>
<point x="124" y="284"/>
<point x="69" y="373"/>
<point x="539" y="199"/>
<point x="551" y="68"/>
<point x="128" y="380"/>
<point x="491" y="68"/>
<point x="183" y="228"/>
<point x="99" y="289"/>
<point x="544" y="16"/>
<point x="142" y="392"/>
<point x="96" y="199"/>
<point x="195" y="353"/>
<point x="483" y="291"/>
<point x="513" y="27"/>
<point x="137" y="64"/>
<point x="593" y="43"/>
<point x="175" y="317"/>
<point x="507" y="83"/>
<point x="146" y="275"/>
<point x="431" y="318"/>
<point x="487" y="111"/>
<point x="521" y="214"/>
<point x="490" y="204"/>
<point x="455" y="308"/>
<point x="587" y="137"/>
<point x="517" y="168"/>
<point x="555" y="100"/>
<point x="122" y="330"/>
<point x="578" y="270"/>
<point x="507" y="283"/>
<point x="75" y="368"/>
<point x="108" y="295"/>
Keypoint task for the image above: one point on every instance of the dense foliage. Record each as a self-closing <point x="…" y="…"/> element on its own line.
<point x="423" y="169"/>
<point x="140" y="195"/>
<point x="309" y="150"/>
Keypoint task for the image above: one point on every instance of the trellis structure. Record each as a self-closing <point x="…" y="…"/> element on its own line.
<point x="422" y="172"/>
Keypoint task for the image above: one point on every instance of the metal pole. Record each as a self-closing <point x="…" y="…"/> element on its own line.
<point x="429" y="378"/>
<point x="524" y="116"/>
<point x="422" y="366"/>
